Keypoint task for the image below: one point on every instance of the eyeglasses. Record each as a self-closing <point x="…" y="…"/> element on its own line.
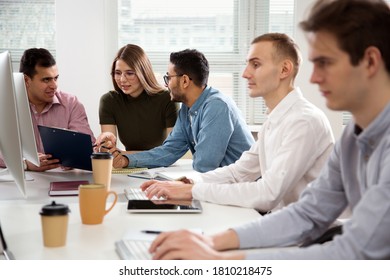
<point x="129" y="75"/>
<point x="168" y="77"/>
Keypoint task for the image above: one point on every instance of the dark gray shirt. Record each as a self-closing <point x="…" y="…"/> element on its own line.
<point x="357" y="175"/>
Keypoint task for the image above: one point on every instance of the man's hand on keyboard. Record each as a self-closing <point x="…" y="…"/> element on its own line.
<point x="138" y="194"/>
<point x="167" y="189"/>
<point x="183" y="244"/>
<point x="138" y="249"/>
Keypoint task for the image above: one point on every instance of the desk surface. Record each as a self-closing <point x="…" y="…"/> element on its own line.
<point x="21" y="222"/>
<point x="37" y="189"/>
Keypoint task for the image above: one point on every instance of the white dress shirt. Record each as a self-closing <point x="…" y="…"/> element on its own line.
<point x="293" y="145"/>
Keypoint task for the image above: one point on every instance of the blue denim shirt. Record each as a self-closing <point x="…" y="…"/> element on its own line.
<point x="213" y="129"/>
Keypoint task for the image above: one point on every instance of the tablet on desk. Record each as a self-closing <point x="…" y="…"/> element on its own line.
<point x="164" y="206"/>
<point x="72" y="148"/>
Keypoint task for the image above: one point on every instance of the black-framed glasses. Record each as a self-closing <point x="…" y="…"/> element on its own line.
<point x="168" y="77"/>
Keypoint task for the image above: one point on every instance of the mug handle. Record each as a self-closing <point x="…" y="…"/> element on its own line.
<point x="113" y="203"/>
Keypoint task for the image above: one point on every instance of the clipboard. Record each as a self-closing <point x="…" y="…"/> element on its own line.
<point x="72" y="148"/>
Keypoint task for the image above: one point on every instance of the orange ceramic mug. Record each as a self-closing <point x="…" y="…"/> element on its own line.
<point x="92" y="202"/>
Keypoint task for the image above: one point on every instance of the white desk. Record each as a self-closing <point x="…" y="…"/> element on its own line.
<point x="21" y="222"/>
<point x="37" y="190"/>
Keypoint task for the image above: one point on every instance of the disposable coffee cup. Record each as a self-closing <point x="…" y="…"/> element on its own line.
<point x="54" y="218"/>
<point x="102" y="168"/>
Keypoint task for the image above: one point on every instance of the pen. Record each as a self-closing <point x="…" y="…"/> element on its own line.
<point x="109" y="148"/>
<point x="95" y="145"/>
<point x="151" y="231"/>
<point x="182" y="178"/>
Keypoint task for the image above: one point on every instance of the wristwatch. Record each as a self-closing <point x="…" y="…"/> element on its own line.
<point x="25" y="167"/>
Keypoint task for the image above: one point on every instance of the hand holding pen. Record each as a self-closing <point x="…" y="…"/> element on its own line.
<point x="106" y="142"/>
<point x="106" y="138"/>
<point x="108" y="148"/>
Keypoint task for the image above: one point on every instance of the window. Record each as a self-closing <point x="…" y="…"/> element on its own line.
<point x="26" y="24"/>
<point x="221" y="29"/>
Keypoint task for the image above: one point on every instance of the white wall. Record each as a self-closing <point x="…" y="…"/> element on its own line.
<point x="311" y="91"/>
<point x="86" y="47"/>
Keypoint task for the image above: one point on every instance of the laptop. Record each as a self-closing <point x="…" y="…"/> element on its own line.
<point x="72" y="148"/>
<point x="164" y="206"/>
<point x="4" y="252"/>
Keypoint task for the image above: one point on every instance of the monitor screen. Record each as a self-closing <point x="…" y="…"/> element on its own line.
<point x="10" y="141"/>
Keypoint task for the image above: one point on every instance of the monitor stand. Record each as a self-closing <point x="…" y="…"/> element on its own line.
<point x="6" y="177"/>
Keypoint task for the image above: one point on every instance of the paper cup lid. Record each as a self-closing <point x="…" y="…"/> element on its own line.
<point x="54" y="209"/>
<point x="101" y="155"/>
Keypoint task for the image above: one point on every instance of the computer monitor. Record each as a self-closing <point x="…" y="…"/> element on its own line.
<point x="29" y="145"/>
<point x="4" y="251"/>
<point x="10" y="141"/>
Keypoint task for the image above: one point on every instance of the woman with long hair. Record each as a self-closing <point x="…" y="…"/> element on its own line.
<point x="139" y="110"/>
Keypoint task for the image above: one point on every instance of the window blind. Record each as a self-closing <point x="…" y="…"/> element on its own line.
<point x="222" y="30"/>
<point x="26" y="24"/>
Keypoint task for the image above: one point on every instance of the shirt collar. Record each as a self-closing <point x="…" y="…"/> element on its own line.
<point x="198" y="103"/>
<point x="376" y="129"/>
<point x="284" y="105"/>
<point x="140" y="97"/>
<point x="56" y="100"/>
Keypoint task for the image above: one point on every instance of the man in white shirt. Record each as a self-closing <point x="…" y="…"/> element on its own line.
<point x="293" y="143"/>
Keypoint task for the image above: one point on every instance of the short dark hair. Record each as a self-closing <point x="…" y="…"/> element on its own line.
<point x="192" y="63"/>
<point x="284" y="46"/>
<point x="35" y="57"/>
<point x="356" y="24"/>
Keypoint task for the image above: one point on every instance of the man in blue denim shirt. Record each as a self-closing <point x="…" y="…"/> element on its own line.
<point x="209" y="122"/>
